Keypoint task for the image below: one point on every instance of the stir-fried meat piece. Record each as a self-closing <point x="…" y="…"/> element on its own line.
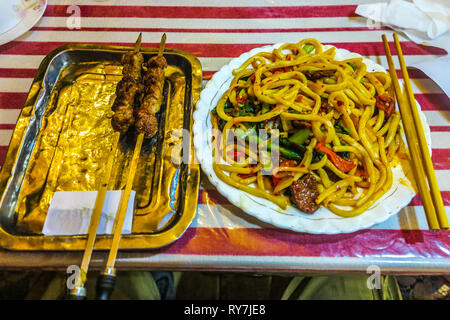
<point x="301" y="124"/>
<point x="304" y="193"/>
<point x="153" y="96"/>
<point x="317" y="74"/>
<point x="386" y="103"/>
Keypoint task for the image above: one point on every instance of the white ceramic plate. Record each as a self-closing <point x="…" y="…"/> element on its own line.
<point x="19" y="16"/>
<point x="322" y="221"/>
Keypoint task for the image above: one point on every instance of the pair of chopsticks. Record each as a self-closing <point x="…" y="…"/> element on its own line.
<point x="422" y="165"/>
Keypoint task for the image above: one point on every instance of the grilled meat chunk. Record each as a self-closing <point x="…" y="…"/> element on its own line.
<point x="126" y="91"/>
<point x="304" y="193"/>
<point x="123" y="118"/>
<point x="146" y="122"/>
<point x="132" y="65"/>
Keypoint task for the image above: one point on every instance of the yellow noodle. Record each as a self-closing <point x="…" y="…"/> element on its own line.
<point x="288" y="96"/>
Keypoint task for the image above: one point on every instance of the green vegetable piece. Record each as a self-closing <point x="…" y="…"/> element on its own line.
<point x="308" y="48"/>
<point x="329" y="81"/>
<point x="242" y="134"/>
<point x="289" y="154"/>
<point x="345" y="155"/>
<point x="300" y="137"/>
<point x="285" y="152"/>
<point x="352" y="65"/>
<point x="252" y="137"/>
<point x="265" y="107"/>
<point x="341" y="128"/>
<point x="286" y="143"/>
<point x="317" y="156"/>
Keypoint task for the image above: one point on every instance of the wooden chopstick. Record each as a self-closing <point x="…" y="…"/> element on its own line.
<point x="431" y="175"/>
<point x="413" y="144"/>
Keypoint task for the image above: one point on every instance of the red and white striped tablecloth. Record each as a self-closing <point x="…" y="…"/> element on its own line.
<point x="222" y="237"/>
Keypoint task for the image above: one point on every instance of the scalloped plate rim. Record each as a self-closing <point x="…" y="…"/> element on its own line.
<point x="236" y="197"/>
<point x="23" y="26"/>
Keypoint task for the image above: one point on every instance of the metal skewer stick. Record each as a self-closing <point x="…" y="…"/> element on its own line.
<point x="107" y="280"/>
<point x="79" y="292"/>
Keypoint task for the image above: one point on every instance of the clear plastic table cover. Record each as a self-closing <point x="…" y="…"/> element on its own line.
<point x="222" y="237"/>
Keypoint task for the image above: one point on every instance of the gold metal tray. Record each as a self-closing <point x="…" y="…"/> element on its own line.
<point x="61" y="140"/>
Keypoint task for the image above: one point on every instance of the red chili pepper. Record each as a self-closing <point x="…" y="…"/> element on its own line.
<point x="235" y="154"/>
<point x="288" y="163"/>
<point x="360" y="172"/>
<point x="241" y="99"/>
<point x="247" y="175"/>
<point x="253" y="78"/>
<point x="275" y="181"/>
<point x="340" y="163"/>
<point x="386" y="103"/>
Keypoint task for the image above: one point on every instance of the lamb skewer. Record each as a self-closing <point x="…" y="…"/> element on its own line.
<point x="128" y="88"/>
<point x="146" y="121"/>
<point x="106" y="281"/>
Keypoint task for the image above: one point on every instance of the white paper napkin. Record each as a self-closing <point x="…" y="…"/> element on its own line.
<point x="425" y="22"/>
<point x="70" y="213"/>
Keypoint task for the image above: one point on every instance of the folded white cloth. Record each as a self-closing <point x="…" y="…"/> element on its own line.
<point x="425" y="22"/>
